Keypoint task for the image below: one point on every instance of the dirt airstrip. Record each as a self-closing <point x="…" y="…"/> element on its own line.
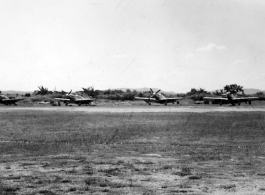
<point x="129" y="109"/>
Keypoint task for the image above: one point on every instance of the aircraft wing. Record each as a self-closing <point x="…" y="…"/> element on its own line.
<point x="12" y="100"/>
<point x="144" y="98"/>
<point x="215" y="98"/>
<point x="248" y="98"/>
<point x="172" y="99"/>
<point x="63" y="99"/>
<point x="84" y="100"/>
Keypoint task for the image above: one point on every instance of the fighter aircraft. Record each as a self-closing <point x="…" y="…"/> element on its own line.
<point x="8" y="101"/>
<point x="75" y="99"/>
<point x="231" y="96"/>
<point x="157" y="97"/>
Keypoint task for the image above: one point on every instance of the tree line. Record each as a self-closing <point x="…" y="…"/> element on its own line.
<point x="120" y="95"/>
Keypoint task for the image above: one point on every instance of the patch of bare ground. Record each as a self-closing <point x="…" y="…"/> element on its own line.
<point x="56" y="153"/>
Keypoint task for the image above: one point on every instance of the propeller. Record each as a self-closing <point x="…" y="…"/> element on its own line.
<point x="69" y="92"/>
<point x="157" y="91"/>
<point x="153" y="93"/>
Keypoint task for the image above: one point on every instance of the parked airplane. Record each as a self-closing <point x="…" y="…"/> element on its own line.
<point x="158" y="98"/>
<point x="230" y="97"/>
<point x="75" y="99"/>
<point x="8" y="101"/>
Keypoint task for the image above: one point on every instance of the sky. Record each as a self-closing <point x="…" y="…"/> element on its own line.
<point x="174" y="45"/>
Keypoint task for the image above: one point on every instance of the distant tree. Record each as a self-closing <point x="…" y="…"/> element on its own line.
<point x="43" y="91"/>
<point x="106" y="92"/>
<point x="260" y="94"/>
<point x="218" y="92"/>
<point x="128" y="91"/>
<point x="197" y="94"/>
<point x="234" y="88"/>
<point x="193" y="91"/>
<point x="90" y="91"/>
<point x="27" y="95"/>
<point x="128" y="96"/>
<point x="140" y="94"/>
<point x="240" y="89"/>
<point x="60" y="92"/>
<point x="227" y="88"/>
<point x="201" y="90"/>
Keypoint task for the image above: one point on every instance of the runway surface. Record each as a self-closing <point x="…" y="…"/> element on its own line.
<point x="137" y="109"/>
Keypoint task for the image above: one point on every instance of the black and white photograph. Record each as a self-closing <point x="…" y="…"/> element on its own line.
<point x="136" y="97"/>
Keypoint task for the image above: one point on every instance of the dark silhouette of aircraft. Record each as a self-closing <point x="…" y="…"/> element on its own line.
<point x="8" y="101"/>
<point x="75" y="99"/>
<point x="231" y="97"/>
<point x="158" y="98"/>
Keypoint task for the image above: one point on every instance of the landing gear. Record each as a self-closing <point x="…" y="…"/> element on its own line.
<point x="165" y="103"/>
<point x="79" y="104"/>
<point x="239" y="103"/>
<point x="221" y="103"/>
<point x="249" y="102"/>
<point x="149" y="103"/>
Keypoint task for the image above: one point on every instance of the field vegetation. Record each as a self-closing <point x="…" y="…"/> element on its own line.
<point x="43" y="94"/>
<point x="45" y="152"/>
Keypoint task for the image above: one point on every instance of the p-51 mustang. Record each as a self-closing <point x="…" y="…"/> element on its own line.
<point x="75" y="99"/>
<point x="158" y="98"/>
<point x="8" y="101"/>
<point x="230" y="97"/>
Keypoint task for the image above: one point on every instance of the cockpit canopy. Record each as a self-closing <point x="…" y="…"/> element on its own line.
<point x="75" y="96"/>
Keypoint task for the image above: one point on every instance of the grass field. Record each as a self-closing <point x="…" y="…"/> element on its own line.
<point x="44" y="152"/>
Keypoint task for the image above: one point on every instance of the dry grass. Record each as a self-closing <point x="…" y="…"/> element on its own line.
<point x="139" y="153"/>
